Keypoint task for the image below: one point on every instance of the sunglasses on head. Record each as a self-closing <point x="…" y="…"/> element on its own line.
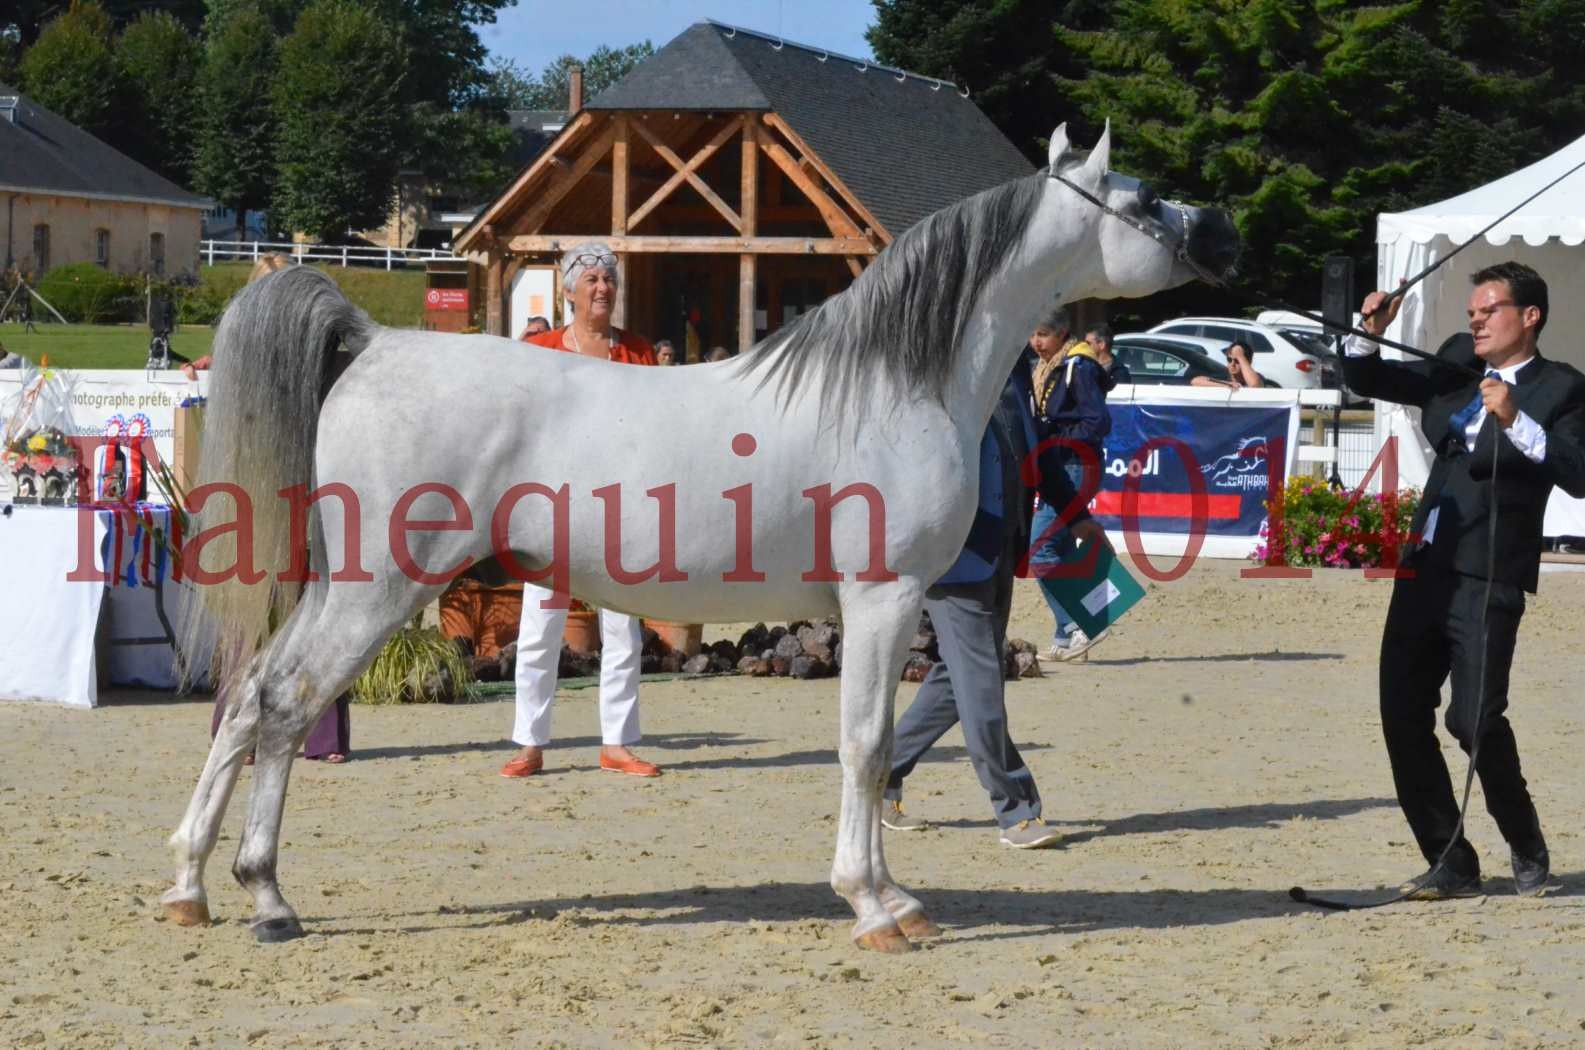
<point x="590" y="259"/>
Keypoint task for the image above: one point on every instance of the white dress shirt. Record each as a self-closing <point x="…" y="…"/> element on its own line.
<point x="1526" y="434"/>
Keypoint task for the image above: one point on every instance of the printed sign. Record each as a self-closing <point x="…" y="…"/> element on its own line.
<point x="446" y="299"/>
<point x="1195" y="468"/>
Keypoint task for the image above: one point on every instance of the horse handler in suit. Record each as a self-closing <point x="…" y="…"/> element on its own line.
<point x="1530" y="413"/>
<point x="969" y="607"/>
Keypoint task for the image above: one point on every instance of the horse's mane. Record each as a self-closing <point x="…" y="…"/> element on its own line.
<point x="903" y="318"/>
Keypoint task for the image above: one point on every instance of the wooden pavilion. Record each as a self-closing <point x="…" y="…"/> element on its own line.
<point x="741" y="179"/>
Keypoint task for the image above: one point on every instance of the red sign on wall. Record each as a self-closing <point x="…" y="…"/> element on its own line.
<point x="446" y="299"/>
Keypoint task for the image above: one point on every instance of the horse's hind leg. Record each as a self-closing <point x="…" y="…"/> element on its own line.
<point x="307" y="668"/>
<point x="186" y="903"/>
<point x="877" y="623"/>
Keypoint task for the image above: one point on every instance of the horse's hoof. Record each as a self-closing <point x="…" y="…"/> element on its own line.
<point x="187" y="913"/>
<point x="277" y="931"/>
<point x="888" y="939"/>
<point x="918" y="927"/>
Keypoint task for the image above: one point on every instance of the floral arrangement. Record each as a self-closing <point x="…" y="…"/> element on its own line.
<point x="43" y="449"/>
<point x="1309" y="523"/>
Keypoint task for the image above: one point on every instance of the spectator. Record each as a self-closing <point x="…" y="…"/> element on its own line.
<point x="1070" y="405"/>
<point x="969" y="607"/>
<point x="589" y="280"/>
<point x="10" y="360"/>
<point x="718" y="353"/>
<point x="665" y="353"/>
<point x="536" y="326"/>
<point x="1100" y="339"/>
<point x="1240" y="371"/>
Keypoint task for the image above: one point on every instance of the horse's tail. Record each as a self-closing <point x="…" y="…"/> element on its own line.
<point x="273" y="365"/>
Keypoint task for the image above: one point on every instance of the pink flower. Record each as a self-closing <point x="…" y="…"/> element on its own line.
<point x="41" y="461"/>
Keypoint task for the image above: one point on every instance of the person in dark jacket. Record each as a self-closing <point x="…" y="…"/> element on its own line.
<point x="1069" y="400"/>
<point x="1475" y="550"/>
<point x="969" y="607"/>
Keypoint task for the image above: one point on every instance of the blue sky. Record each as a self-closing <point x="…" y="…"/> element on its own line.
<point x="535" y="32"/>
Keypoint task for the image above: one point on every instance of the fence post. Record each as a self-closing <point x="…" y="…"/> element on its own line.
<point x="387" y="260"/>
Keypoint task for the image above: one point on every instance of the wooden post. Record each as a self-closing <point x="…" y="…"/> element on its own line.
<point x="619" y="175"/>
<point x="750" y="212"/>
<point x="745" y="301"/>
<point x="494" y="321"/>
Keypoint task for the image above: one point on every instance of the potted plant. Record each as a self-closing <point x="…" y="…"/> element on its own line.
<point x="582" y="633"/>
<point x="684" y="638"/>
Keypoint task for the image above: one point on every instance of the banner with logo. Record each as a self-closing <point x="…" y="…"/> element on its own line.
<point x="1194" y="468"/>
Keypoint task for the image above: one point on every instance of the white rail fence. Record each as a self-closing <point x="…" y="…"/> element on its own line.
<point x="335" y="254"/>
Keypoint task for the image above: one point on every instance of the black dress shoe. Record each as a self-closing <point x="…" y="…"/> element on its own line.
<point x="1530" y="874"/>
<point x="1442" y="884"/>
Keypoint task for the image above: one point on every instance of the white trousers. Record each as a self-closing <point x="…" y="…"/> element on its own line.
<point x="538" y="659"/>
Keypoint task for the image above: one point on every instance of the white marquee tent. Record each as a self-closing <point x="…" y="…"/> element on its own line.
<point x="1548" y="234"/>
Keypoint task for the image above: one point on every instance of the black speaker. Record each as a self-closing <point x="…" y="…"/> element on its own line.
<point x="1337" y="290"/>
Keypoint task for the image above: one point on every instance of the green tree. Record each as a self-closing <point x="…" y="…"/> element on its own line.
<point x="516" y="88"/>
<point x="71" y="68"/>
<point x="235" y="158"/>
<point x="1305" y="117"/>
<point x="158" y="61"/>
<point x="342" y="118"/>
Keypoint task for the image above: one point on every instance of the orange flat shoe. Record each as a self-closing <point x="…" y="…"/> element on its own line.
<point x="523" y="767"/>
<point x="636" y="767"/>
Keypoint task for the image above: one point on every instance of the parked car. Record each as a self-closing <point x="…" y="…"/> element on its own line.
<point x="1281" y="359"/>
<point x="1173" y="360"/>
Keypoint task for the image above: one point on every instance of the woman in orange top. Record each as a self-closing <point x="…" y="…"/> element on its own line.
<point x="589" y="277"/>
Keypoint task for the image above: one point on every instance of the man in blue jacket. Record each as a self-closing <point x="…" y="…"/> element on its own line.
<point x="969" y="607"/>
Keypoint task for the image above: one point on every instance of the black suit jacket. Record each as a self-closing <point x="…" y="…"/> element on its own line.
<point x="1549" y="392"/>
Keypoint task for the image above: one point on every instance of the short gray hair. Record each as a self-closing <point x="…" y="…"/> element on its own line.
<point x="586" y="256"/>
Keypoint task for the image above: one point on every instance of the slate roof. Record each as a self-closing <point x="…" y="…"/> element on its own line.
<point x="41" y="152"/>
<point x="529" y="130"/>
<point x="904" y="144"/>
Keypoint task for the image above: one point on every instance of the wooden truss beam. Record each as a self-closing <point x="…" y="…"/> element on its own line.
<point x="830" y="211"/>
<point x="539" y="242"/>
<point x="809" y="157"/>
<point x="565" y="179"/>
<point x="686" y="172"/>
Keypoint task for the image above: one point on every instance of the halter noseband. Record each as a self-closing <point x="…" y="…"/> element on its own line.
<point x="1178" y="243"/>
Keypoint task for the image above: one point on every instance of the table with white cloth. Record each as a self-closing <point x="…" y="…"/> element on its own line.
<point x="65" y="622"/>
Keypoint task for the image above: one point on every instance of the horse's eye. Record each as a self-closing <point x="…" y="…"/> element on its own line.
<point x="1147" y="197"/>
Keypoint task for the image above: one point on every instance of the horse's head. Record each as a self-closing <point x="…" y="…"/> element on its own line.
<point x="1141" y="243"/>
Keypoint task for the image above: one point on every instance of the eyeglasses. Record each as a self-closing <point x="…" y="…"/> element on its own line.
<point x="1485" y="312"/>
<point x="589" y="259"/>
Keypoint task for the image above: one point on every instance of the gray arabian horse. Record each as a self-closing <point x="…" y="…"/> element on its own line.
<point x="884" y="391"/>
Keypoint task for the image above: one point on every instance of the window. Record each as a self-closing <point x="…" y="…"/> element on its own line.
<point x="102" y="247"/>
<point x="157" y="253"/>
<point x="41" y="249"/>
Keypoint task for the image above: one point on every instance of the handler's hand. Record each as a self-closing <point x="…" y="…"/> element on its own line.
<point x="1089" y="531"/>
<point x="1376" y="323"/>
<point x="1498" y="399"/>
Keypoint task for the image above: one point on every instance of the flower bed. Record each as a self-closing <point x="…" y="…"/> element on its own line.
<point x="1317" y="525"/>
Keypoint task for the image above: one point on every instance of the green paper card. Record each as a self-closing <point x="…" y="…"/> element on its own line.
<point x="1099" y="598"/>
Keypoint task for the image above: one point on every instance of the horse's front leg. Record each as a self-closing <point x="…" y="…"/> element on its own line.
<point x="877" y="622"/>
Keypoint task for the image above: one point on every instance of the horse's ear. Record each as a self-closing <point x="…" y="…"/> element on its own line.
<point x="1100" y="160"/>
<point x="1061" y="150"/>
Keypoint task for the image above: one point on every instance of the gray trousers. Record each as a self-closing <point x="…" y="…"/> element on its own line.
<point x="966" y="685"/>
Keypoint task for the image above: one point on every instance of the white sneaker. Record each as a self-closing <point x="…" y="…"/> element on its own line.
<point x="1030" y="834"/>
<point x="1079" y="644"/>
